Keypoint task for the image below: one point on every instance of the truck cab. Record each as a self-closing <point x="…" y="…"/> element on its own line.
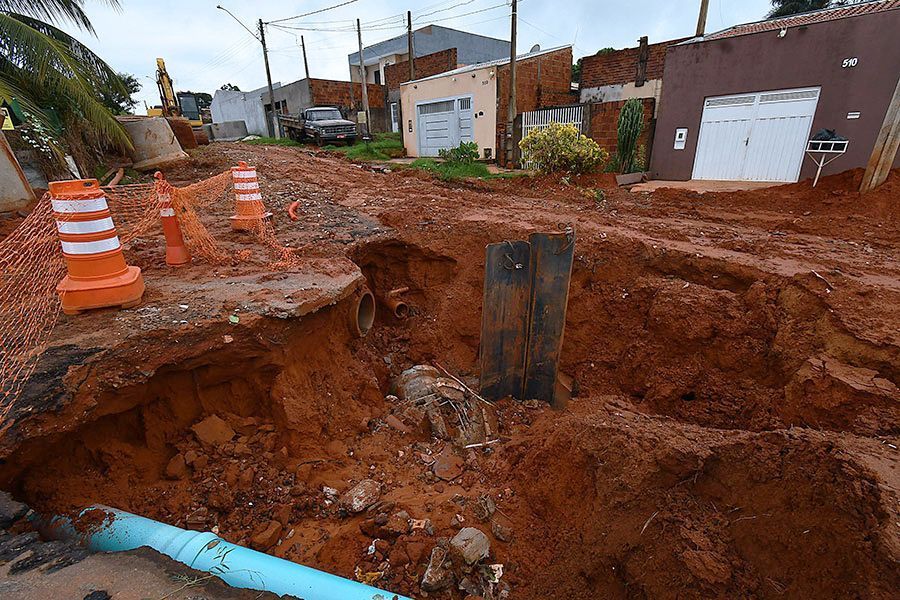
<point x="323" y="124"/>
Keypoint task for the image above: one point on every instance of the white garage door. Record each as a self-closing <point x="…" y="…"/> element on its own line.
<point x="755" y="137"/>
<point x="444" y="124"/>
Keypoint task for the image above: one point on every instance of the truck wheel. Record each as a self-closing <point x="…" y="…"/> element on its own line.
<point x="319" y="141"/>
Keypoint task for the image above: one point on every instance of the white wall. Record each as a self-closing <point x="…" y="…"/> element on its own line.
<point x="613" y="93"/>
<point x="242" y="106"/>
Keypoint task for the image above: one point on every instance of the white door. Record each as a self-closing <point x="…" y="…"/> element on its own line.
<point x="444" y="124"/>
<point x="395" y="117"/>
<point x="759" y="136"/>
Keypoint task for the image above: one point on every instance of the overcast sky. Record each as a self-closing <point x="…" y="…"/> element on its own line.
<point x="205" y="48"/>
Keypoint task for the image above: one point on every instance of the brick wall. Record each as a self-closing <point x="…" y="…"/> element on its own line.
<point x="604" y="124"/>
<point x="327" y="92"/>
<point x="426" y="66"/>
<point x="620" y="67"/>
<point x="541" y="81"/>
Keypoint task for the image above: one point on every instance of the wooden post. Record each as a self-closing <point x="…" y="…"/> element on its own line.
<point x="701" y="20"/>
<point x="409" y="43"/>
<point x="262" y="39"/>
<point x="362" y="76"/>
<point x="305" y="64"/>
<point x="511" y="108"/>
<point x="886" y="144"/>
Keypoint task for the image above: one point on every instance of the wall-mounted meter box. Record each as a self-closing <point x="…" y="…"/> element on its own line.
<point x="680" y="138"/>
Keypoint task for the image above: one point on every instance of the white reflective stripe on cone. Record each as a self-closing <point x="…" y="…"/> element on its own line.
<point x="80" y="206"/>
<point x="246" y="186"/>
<point x="244" y="174"/>
<point x="167" y="212"/>
<point x="85" y="226"/>
<point x="248" y="197"/>
<point x="91" y="247"/>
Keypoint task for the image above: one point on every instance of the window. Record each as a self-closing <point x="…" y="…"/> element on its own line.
<point x="437" y="107"/>
<point x="378" y="77"/>
<point x="465" y="104"/>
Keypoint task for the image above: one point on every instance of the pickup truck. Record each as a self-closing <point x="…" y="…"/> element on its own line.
<point x="322" y="124"/>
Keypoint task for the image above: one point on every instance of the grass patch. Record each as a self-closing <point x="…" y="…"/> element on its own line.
<point x="270" y="141"/>
<point x="451" y="170"/>
<point x="385" y="146"/>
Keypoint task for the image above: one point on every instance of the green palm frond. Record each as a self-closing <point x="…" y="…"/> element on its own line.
<point x="53" y="11"/>
<point x="46" y="66"/>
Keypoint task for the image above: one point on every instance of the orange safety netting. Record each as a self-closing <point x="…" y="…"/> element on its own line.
<point x="32" y="264"/>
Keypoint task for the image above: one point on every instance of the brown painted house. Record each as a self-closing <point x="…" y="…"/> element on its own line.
<point x="742" y="103"/>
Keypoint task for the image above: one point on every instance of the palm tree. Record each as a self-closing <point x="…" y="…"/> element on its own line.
<point x="48" y="71"/>
<point x="785" y="8"/>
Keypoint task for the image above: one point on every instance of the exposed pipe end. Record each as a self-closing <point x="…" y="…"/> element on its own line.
<point x="362" y="313"/>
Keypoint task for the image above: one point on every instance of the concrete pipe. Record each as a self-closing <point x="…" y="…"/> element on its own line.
<point x="155" y="144"/>
<point x="362" y="312"/>
<point x="398" y="307"/>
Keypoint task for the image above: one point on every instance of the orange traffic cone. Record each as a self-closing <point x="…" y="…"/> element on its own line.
<point x="177" y="253"/>
<point x="98" y="276"/>
<point x="249" y="208"/>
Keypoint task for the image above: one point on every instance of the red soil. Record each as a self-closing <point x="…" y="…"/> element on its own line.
<point x="735" y="434"/>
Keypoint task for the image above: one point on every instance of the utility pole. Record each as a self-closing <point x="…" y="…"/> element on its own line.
<point x="262" y="39"/>
<point x="362" y="76"/>
<point x="409" y="43"/>
<point x="886" y="145"/>
<point x="701" y="21"/>
<point x="305" y="64"/>
<point x="511" y="112"/>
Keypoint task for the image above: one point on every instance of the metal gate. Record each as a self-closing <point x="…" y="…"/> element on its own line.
<point x="536" y="120"/>
<point x="760" y="136"/>
<point x="443" y="124"/>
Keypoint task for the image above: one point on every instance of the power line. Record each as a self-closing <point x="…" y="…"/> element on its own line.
<point x="434" y="12"/>
<point x="315" y="12"/>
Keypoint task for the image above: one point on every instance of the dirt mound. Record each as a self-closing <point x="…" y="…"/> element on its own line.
<point x="667" y="511"/>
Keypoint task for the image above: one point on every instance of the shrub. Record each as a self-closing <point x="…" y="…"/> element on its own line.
<point x="465" y="153"/>
<point x="631" y="122"/>
<point x="562" y="148"/>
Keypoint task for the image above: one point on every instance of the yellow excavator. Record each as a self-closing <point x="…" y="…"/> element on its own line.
<point x="182" y="105"/>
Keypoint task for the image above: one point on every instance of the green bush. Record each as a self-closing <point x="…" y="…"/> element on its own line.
<point x="465" y="153"/>
<point x="560" y="148"/>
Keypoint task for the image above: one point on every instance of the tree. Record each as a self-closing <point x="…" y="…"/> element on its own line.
<point x="785" y="8"/>
<point x="49" y="71"/>
<point x="117" y="102"/>
<point x="228" y="87"/>
<point x="576" y="71"/>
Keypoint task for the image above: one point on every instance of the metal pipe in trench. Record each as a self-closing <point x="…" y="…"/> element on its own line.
<point x="204" y="551"/>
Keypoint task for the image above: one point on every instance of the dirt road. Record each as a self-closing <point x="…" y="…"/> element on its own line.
<point x="736" y="432"/>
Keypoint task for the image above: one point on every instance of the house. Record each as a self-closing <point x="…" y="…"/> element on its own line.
<point x="229" y="105"/>
<point x="344" y="95"/>
<point x="471" y="48"/>
<point x="741" y="104"/>
<point x="470" y="103"/>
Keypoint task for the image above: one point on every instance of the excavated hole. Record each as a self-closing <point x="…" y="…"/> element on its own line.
<point x="706" y="345"/>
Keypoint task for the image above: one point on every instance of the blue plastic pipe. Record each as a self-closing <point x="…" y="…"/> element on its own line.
<point x="204" y="551"/>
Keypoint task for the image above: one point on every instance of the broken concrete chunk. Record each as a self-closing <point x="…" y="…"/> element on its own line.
<point x="213" y="431"/>
<point x="437" y="575"/>
<point x="10" y="510"/>
<point x="266" y="538"/>
<point x="437" y="423"/>
<point x="361" y="496"/>
<point x="470" y="545"/>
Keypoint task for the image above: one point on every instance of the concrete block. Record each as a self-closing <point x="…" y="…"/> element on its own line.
<point x="227" y="131"/>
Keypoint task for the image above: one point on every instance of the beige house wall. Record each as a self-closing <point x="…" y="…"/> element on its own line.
<point x="481" y="84"/>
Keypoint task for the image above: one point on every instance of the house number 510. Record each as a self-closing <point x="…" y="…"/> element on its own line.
<point x="850" y="62"/>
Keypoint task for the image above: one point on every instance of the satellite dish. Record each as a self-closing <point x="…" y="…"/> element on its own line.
<point x="535" y="48"/>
